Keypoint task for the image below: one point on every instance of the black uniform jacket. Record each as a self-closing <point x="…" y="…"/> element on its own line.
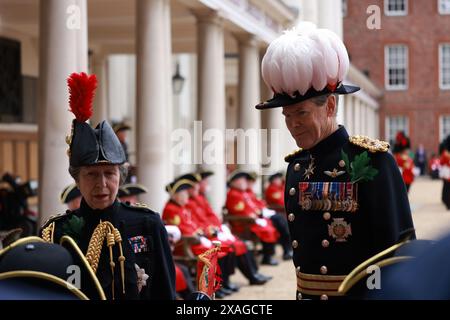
<point x="345" y="203"/>
<point x="144" y="242"/>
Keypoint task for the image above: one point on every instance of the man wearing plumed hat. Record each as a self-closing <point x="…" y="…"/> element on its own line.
<point x="344" y="197"/>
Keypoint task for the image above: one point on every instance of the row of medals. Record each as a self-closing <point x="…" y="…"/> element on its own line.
<point x="347" y="205"/>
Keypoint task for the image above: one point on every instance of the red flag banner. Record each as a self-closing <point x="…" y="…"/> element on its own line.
<point x="208" y="271"/>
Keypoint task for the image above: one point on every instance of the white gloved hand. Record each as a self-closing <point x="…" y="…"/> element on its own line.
<point x="267" y="213"/>
<point x="261" y="222"/>
<point x="205" y="242"/>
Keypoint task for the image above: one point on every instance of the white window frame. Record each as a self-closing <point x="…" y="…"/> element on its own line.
<point x="344" y="8"/>
<point x="387" y="127"/>
<point x="395" y="13"/>
<point x="443" y="86"/>
<point x="439" y="3"/>
<point x="442" y="134"/>
<point x="386" y="69"/>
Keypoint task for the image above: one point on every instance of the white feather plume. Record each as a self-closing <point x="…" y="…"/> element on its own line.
<point x="304" y="57"/>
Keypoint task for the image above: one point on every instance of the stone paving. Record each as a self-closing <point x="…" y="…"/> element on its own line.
<point x="431" y="221"/>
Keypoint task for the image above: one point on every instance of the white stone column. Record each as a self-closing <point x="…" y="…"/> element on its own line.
<point x="330" y="15"/>
<point x="249" y="119"/>
<point x="99" y="68"/>
<point x="349" y="100"/>
<point x="357" y="116"/>
<point x="63" y="50"/>
<point x="153" y="159"/>
<point x="211" y="101"/>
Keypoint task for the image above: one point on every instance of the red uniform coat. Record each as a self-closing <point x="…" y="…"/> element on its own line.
<point x="406" y="164"/>
<point x="174" y="214"/>
<point x="275" y="195"/>
<point x="212" y="224"/>
<point x="240" y="203"/>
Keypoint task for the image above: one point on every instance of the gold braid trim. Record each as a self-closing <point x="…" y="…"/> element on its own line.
<point x="106" y="230"/>
<point x="47" y="233"/>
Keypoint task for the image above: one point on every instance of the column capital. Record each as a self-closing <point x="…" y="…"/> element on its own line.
<point x="206" y="15"/>
<point x="244" y="38"/>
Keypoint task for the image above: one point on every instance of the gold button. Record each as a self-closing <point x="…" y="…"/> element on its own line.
<point x="323" y="270"/>
<point x="292" y="191"/>
<point x="299" y="296"/>
<point x="294" y="244"/>
<point x="297" y="270"/>
<point x="291" y="217"/>
<point x="297" y="167"/>
<point x="325" y="243"/>
<point x="327" y="216"/>
<point x="324" y="297"/>
<point x="342" y="163"/>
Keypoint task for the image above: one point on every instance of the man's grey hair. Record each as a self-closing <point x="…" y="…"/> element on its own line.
<point x="320" y="100"/>
<point x="123" y="171"/>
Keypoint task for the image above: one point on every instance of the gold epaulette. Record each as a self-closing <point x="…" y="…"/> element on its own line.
<point x="47" y="233"/>
<point x="48" y="228"/>
<point x="55" y="217"/>
<point x="373" y="145"/>
<point x="291" y="155"/>
<point x="137" y="206"/>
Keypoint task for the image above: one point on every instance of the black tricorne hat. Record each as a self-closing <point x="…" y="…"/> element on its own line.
<point x="119" y="126"/>
<point x="239" y="174"/>
<point x="179" y="185"/>
<point x="193" y="177"/>
<point x="205" y="174"/>
<point x="275" y="175"/>
<point x="131" y="189"/>
<point x="89" y="146"/>
<point x="69" y="193"/>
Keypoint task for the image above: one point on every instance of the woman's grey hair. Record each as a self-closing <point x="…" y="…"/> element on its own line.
<point x="320" y="100"/>
<point x="123" y="171"/>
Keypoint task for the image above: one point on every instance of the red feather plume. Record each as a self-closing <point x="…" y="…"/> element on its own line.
<point x="81" y="94"/>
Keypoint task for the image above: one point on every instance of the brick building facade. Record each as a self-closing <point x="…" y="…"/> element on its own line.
<point x="408" y="57"/>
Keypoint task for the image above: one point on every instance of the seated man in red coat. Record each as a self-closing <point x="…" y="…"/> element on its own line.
<point x="279" y="221"/>
<point x="404" y="161"/>
<point x="175" y="213"/>
<point x="203" y="215"/>
<point x="274" y="193"/>
<point x="239" y="202"/>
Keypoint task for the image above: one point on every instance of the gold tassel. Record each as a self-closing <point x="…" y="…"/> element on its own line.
<point x="118" y="239"/>
<point x="110" y="243"/>
<point x="106" y="229"/>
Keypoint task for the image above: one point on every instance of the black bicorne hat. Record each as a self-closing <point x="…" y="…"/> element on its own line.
<point x="92" y="146"/>
<point x="89" y="146"/>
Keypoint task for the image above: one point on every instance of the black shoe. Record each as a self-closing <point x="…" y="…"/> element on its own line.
<point x="257" y="281"/>
<point x="219" y="295"/>
<point x="231" y="286"/>
<point x="287" y="256"/>
<point x="225" y="291"/>
<point x="270" y="262"/>
<point x="264" y="277"/>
